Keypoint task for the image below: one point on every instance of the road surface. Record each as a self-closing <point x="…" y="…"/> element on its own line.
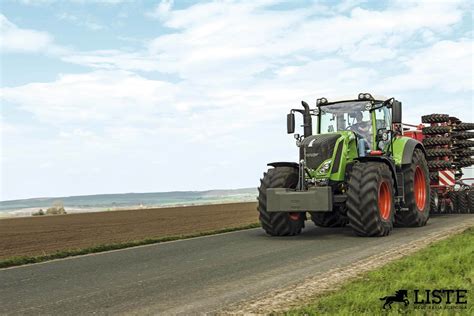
<point x="195" y="275"/>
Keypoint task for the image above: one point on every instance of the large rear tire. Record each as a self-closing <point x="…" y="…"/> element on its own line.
<point x="279" y="223"/>
<point x="370" y="203"/>
<point x="416" y="183"/>
<point x="329" y="219"/>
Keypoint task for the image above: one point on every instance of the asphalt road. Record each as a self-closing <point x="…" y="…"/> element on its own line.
<point x="196" y="275"/>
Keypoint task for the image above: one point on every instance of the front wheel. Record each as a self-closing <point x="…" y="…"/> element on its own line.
<point x="279" y="223"/>
<point x="416" y="183"/>
<point x="370" y="203"/>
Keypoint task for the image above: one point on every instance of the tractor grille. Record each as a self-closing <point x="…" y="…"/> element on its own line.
<point x="318" y="148"/>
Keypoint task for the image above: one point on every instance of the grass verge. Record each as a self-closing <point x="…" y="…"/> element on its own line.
<point x="16" y="261"/>
<point x="448" y="264"/>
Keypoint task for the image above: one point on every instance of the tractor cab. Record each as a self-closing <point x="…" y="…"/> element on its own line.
<point x="369" y="119"/>
<point x="359" y="118"/>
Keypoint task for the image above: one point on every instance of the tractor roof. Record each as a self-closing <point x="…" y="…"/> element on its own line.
<point x="351" y="99"/>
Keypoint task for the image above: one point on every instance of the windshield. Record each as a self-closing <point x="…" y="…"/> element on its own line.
<point x="345" y="116"/>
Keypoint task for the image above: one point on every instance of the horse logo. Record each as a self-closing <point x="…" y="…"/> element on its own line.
<point x="400" y="296"/>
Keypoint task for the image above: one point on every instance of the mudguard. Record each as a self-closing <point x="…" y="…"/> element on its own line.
<point x="403" y="148"/>
<point x="386" y="161"/>
<point x="409" y="148"/>
<point x="283" y="164"/>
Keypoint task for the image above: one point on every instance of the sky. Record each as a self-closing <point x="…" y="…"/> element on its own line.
<point x="120" y="96"/>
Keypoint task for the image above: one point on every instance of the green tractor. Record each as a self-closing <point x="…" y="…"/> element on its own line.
<point x="358" y="169"/>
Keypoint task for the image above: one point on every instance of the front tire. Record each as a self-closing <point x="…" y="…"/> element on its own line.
<point x="370" y="202"/>
<point x="279" y="223"/>
<point x="416" y="184"/>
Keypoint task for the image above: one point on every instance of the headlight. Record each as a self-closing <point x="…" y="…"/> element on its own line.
<point x="325" y="167"/>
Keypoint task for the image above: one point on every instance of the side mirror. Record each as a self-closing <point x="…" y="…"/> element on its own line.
<point x="396" y="112"/>
<point x="290" y="123"/>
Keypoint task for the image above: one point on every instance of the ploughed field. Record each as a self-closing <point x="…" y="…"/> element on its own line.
<point x="41" y="235"/>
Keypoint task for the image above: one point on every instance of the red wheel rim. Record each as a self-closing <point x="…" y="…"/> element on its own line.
<point x="420" y="189"/>
<point x="294" y="216"/>
<point x="385" y="200"/>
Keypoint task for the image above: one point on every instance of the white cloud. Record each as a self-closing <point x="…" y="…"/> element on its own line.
<point x="113" y="59"/>
<point x="445" y="66"/>
<point x="96" y="96"/>
<point x="15" y="39"/>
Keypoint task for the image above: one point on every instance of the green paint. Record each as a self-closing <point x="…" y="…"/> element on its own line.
<point x="398" y="148"/>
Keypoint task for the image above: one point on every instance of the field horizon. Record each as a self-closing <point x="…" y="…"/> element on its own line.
<point x="121" y="201"/>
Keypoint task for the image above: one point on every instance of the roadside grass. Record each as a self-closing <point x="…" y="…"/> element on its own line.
<point x="21" y="260"/>
<point x="447" y="264"/>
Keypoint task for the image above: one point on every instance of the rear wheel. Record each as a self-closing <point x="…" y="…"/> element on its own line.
<point x="370" y="203"/>
<point x="279" y="223"/>
<point x="417" y="193"/>
<point x="329" y="219"/>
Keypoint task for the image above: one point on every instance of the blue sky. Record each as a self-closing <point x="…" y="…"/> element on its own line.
<point x="144" y="96"/>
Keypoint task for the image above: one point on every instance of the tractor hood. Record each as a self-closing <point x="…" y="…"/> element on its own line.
<point x="318" y="148"/>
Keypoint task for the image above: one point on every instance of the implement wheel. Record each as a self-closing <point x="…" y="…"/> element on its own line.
<point x="470" y="200"/>
<point x="436" y="141"/>
<point x="434" y="202"/>
<point x="463" y="202"/>
<point x="279" y="223"/>
<point x="432" y="130"/>
<point x="370" y="203"/>
<point x="435" y="118"/>
<point x="417" y="193"/>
